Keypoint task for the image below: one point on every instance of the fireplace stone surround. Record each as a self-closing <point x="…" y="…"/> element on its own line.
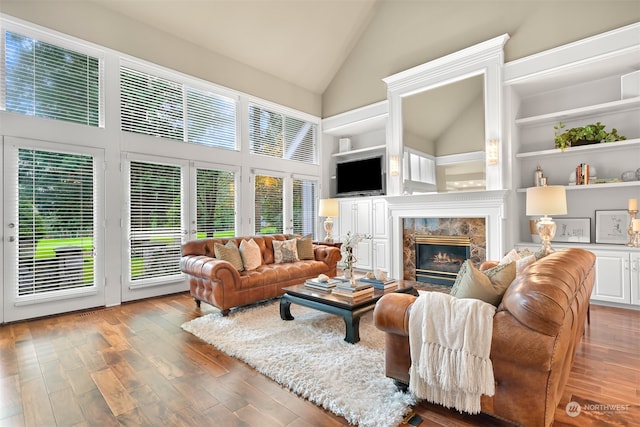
<point x="478" y="214"/>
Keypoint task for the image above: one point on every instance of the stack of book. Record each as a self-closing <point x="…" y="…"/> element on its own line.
<point x="323" y="285"/>
<point x="355" y="291"/>
<point x="381" y="284"/>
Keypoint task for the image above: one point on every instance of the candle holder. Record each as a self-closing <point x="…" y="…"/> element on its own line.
<point x="633" y="239"/>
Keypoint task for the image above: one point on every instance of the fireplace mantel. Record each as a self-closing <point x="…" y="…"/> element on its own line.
<point x="489" y="205"/>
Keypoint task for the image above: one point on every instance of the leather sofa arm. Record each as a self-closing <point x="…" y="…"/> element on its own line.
<point x="215" y="270"/>
<point x="330" y="255"/>
<point x="391" y="313"/>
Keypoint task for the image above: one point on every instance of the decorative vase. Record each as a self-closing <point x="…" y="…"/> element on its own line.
<point x="348" y="272"/>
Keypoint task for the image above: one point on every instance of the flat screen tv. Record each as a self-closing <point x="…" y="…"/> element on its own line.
<point x="360" y="177"/>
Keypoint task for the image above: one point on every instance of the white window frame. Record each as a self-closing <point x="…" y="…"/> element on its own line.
<point x="192" y="191"/>
<point x="160" y="285"/>
<point x="23" y="307"/>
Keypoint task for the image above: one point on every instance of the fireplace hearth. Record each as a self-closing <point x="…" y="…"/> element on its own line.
<point x="439" y="258"/>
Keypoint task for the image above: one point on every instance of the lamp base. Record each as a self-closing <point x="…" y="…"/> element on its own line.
<point x="546" y="230"/>
<point x="328" y="228"/>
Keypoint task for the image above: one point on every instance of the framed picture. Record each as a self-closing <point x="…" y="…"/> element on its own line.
<point x="612" y="227"/>
<point x="572" y="230"/>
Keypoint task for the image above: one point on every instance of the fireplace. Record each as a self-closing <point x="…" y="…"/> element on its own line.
<point x="439" y="258"/>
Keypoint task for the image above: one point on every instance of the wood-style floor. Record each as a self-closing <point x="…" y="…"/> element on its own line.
<point x="134" y="365"/>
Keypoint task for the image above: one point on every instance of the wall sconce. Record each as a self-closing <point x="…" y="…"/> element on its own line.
<point x="394" y="166"/>
<point x="492" y="152"/>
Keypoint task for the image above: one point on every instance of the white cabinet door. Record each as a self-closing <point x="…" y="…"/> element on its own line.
<point x="380" y="219"/>
<point x="362" y="217"/>
<point x="355" y="217"/>
<point x="380" y="254"/>
<point x="635" y="279"/>
<point x="612" y="277"/>
<point x="345" y="220"/>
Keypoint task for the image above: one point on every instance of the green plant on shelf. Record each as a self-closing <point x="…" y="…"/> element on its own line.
<point x="588" y="134"/>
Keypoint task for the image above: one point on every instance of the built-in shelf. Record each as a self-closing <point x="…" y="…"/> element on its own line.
<point x="360" y="150"/>
<point x="601" y="147"/>
<point x="607" y="107"/>
<point x="596" y="186"/>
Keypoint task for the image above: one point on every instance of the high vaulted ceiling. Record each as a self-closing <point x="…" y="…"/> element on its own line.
<point x="303" y="42"/>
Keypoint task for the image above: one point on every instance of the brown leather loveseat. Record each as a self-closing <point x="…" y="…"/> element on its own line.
<point x="220" y="284"/>
<point x="536" y="331"/>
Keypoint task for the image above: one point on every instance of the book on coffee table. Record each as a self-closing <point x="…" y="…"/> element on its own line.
<point x="320" y="284"/>
<point x="353" y="287"/>
<point x="380" y="284"/>
<point x="352" y="293"/>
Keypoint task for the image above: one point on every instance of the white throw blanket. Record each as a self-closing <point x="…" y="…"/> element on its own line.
<point x="450" y="341"/>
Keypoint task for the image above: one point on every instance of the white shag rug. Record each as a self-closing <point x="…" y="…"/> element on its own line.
<point x="309" y="356"/>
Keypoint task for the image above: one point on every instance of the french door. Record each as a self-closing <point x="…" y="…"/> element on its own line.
<point x="53" y="214"/>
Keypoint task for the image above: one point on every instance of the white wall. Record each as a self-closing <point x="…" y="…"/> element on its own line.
<point x="89" y="21"/>
<point x="404" y="34"/>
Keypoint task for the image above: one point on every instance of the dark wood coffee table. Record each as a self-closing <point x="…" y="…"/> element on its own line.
<point x="351" y="311"/>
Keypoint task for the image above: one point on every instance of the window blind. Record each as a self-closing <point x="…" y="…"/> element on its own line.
<point x="150" y="105"/>
<point x="155" y="106"/>
<point x="155" y="220"/>
<point x="276" y="135"/>
<point x="211" y="119"/>
<point x="44" y="80"/>
<point x="216" y="211"/>
<point x="305" y="212"/>
<point x="268" y="204"/>
<point x="55" y="221"/>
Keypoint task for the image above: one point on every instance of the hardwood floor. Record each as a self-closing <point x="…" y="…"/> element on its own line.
<point x="134" y="365"/>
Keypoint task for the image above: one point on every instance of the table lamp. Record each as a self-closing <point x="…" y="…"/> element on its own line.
<point x="328" y="208"/>
<point x="546" y="200"/>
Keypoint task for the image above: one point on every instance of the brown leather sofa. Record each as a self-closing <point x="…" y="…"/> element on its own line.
<point x="219" y="283"/>
<point x="536" y="331"/>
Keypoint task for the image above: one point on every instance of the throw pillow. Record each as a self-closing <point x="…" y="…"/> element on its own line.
<point x="251" y="255"/>
<point x="511" y="256"/>
<point x="285" y="251"/>
<point x="488" y="286"/>
<point x="229" y="252"/>
<point x="305" y="247"/>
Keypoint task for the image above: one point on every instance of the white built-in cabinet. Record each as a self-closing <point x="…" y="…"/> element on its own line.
<point x="579" y="84"/>
<point x="366" y="216"/>
<point x="617" y="276"/>
<point x="617" y="279"/>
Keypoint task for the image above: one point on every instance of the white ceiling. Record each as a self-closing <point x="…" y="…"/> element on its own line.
<point x="303" y="42"/>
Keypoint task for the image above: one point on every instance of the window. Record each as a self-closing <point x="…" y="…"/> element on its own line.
<point x="155" y="221"/>
<point x="268" y="204"/>
<point x="276" y="135"/>
<point x="44" y="80"/>
<point x="55" y="221"/>
<point x="216" y="211"/>
<point x="211" y="119"/>
<point x="151" y="105"/>
<point x="304" y="206"/>
<point x="156" y="106"/>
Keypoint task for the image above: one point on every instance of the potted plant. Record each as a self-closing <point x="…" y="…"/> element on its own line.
<point x="589" y="134"/>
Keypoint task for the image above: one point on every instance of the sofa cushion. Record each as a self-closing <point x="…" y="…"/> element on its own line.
<point x="305" y="247"/>
<point x="488" y="286"/>
<point x="251" y="255"/>
<point x="285" y="251"/>
<point x="230" y="253"/>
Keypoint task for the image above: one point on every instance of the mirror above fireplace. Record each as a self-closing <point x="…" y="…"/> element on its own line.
<point x="483" y="62"/>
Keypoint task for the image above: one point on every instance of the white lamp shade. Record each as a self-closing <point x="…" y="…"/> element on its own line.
<point x="547" y="200"/>
<point x="328" y="207"/>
